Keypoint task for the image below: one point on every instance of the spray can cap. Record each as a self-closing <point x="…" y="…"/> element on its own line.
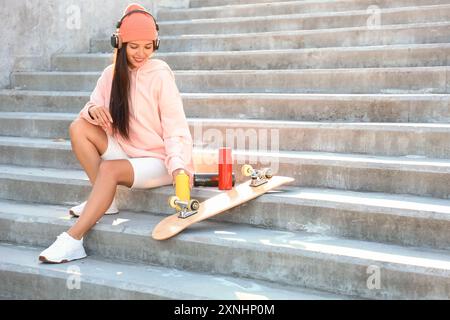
<point x="225" y="155"/>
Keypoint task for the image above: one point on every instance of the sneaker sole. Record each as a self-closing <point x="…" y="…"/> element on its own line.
<point x="44" y="259"/>
<point x="73" y="214"/>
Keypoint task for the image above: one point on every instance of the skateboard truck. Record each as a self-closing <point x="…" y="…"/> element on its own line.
<point x="258" y="177"/>
<point x="188" y="208"/>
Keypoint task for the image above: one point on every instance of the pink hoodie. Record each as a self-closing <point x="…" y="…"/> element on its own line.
<point x="158" y="125"/>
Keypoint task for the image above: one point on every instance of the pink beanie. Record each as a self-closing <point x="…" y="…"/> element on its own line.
<point x="137" y="26"/>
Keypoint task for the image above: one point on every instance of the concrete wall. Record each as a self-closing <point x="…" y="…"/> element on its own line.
<point x="34" y="30"/>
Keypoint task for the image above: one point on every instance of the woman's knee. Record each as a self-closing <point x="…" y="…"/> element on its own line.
<point x="81" y="127"/>
<point x="118" y="171"/>
<point x="107" y="169"/>
<point x="78" y="128"/>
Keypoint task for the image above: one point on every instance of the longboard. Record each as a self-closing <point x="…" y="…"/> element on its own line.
<point x="240" y="194"/>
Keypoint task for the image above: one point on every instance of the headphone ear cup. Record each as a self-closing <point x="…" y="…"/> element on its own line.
<point x="156" y="44"/>
<point x="116" y="41"/>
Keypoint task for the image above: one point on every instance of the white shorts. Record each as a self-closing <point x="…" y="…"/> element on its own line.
<point x="148" y="172"/>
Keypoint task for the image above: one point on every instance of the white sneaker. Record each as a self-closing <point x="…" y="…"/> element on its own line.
<point x="64" y="249"/>
<point x="77" y="210"/>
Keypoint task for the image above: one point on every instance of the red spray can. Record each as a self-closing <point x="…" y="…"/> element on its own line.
<point x="225" y="169"/>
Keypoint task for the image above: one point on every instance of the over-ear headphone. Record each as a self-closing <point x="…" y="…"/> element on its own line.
<point x="116" y="41"/>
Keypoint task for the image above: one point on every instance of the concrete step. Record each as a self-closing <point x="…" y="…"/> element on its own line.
<point x="388" y="139"/>
<point x="301" y="21"/>
<point x="420" y="55"/>
<point x="287" y="7"/>
<point x="417" y="33"/>
<point x="337" y="265"/>
<point x="360" y="80"/>
<point x="300" y="107"/>
<point x="399" y="219"/>
<point x="42" y="101"/>
<point x="23" y="277"/>
<point x="413" y="175"/>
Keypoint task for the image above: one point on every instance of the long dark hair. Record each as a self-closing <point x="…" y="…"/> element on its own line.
<point x="118" y="105"/>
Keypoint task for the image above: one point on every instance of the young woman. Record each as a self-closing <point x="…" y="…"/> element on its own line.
<point x="132" y="132"/>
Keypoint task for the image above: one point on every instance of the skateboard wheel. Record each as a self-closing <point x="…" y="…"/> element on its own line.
<point x="268" y="173"/>
<point x="247" y="170"/>
<point x="172" y="201"/>
<point x="194" y="205"/>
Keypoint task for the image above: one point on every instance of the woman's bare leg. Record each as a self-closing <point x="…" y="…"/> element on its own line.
<point x="110" y="174"/>
<point x="88" y="143"/>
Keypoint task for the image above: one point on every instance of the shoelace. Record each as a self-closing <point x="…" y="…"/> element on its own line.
<point x="61" y="242"/>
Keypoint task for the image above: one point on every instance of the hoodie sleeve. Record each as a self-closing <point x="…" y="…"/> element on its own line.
<point x="176" y="135"/>
<point x="97" y="97"/>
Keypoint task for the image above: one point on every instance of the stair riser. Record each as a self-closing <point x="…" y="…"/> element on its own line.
<point x="30" y="286"/>
<point x="346" y="176"/>
<point x="355" y="223"/>
<point x="396" y="142"/>
<point x="286" y="23"/>
<point x="288" y="8"/>
<point x="308" y="173"/>
<point x="324" y="59"/>
<point x="48" y="157"/>
<point x="349" y="140"/>
<point x="56" y="129"/>
<point x="306" y="269"/>
<point x="300" y="40"/>
<point x="303" y="108"/>
<point x="427" y="80"/>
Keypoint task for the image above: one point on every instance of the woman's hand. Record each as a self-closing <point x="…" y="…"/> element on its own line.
<point x="101" y="116"/>
<point x="177" y="171"/>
